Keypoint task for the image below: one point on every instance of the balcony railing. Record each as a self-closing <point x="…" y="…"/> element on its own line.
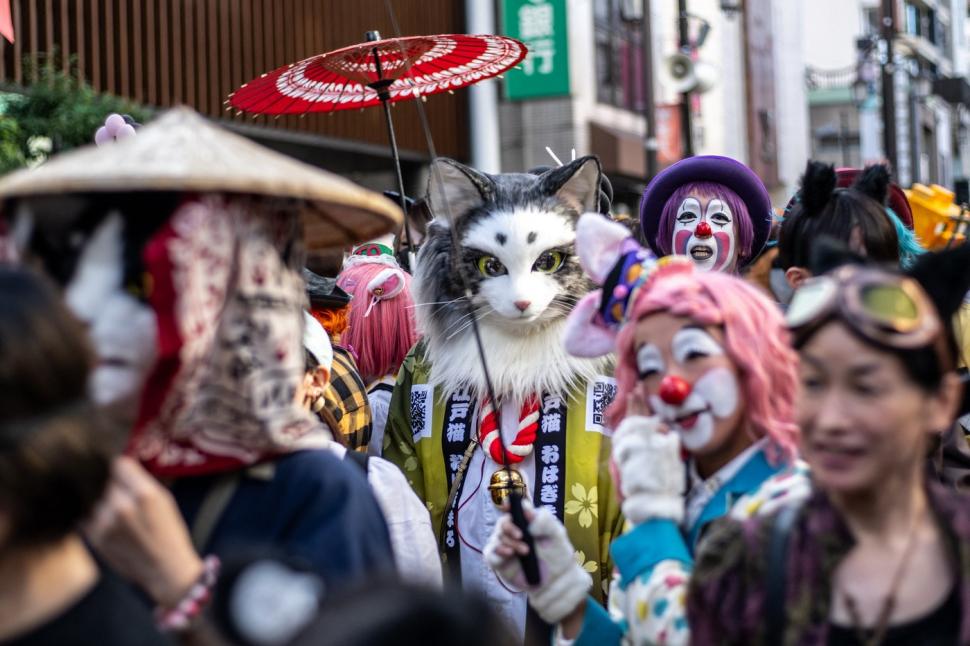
<point x="816" y="79"/>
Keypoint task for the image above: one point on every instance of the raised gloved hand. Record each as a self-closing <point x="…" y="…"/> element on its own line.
<point x="563" y="583"/>
<point x="647" y="465"/>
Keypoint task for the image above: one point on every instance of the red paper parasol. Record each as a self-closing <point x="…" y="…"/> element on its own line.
<point x="379" y="72"/>
<point x="357" y="76"/>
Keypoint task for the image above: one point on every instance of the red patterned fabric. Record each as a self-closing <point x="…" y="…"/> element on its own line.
<point x="521" y="446"/>
<point x="228" y="296"/>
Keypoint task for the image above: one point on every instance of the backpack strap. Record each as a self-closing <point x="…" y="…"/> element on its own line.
<point x="217" y="499"/>
<point x="213" y="505"/>
<point x="776" y="583"/>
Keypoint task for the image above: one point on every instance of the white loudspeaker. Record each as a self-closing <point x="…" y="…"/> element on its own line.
<point x="686" y="75"/>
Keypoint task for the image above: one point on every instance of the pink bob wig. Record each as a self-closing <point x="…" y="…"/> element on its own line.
<point x="382" y="331"/>
<point x="755" y="339"/>
<point x="745" y="231"/>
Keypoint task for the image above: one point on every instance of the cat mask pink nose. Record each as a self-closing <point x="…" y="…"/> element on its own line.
<point x="523" y="305"/>
<point x="674" y="390"/>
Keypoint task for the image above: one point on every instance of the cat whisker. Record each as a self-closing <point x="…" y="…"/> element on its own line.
<point x="464" y="318"/>
<point x="469" y="322"/>
<point x="454" y="300"/>
<point x="461" y="319"/>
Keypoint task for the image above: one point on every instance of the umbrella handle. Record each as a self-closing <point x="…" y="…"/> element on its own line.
<point x="530" y="564"/>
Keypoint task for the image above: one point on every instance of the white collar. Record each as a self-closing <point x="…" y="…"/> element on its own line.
<point x="726" y="472"/>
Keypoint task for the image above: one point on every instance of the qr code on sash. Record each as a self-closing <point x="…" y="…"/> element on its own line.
<point x="421" y="412"/>
<point x="600" y="393"/>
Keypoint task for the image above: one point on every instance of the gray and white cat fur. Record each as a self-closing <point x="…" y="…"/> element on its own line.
<point x="515" y="218"/>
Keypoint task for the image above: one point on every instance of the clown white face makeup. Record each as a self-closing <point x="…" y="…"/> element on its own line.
<point x="692" y="384"/>
<point x="704" y="230"/>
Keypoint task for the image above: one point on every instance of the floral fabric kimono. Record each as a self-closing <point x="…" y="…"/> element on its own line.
<point x="655" y="559"/>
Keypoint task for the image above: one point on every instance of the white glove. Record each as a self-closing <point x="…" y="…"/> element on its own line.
<point x="650" y="470"/>
<point x="563" y="583"/>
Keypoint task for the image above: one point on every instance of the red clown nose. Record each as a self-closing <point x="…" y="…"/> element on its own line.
<point x="703" y="230"/>
<point x="674" y="390"/>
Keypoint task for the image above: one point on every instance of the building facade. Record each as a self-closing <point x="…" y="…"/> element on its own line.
<point x="753" y="107"/>
<point x="929" y="88"/>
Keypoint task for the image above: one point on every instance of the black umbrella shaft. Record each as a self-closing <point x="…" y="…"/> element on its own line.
<point x="397" y="169"/>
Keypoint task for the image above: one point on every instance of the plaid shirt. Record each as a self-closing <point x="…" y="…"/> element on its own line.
<point x="346" y="400"/>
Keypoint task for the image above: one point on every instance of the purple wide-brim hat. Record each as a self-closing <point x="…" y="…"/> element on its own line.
<point x="708" y="168"/>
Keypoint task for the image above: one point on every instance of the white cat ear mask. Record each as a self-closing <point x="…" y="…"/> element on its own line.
<point x="384" y="286"/>
<point x="613" y="259"/>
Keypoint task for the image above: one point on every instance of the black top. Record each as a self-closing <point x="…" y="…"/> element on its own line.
<point x="941" y="627"/>
<point x="108" y="615"/>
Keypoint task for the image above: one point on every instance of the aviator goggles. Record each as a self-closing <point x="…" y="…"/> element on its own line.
<point x="887" y="309"/>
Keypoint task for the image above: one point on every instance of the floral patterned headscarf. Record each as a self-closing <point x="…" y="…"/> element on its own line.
<point x="228" y="293"/>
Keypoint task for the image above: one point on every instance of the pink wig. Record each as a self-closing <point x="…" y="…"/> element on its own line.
<point x="665" y="230"/>
<point x="755" y="339"/>
<point x="381" y="331"/>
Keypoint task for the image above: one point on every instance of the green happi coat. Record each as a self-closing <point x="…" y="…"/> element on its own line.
<point x="428" y="432"/>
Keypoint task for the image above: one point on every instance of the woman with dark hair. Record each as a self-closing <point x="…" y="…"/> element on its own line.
<point x="54" y="466"/>
<point x="879" y="553"/>
<point x="854" y="215"/>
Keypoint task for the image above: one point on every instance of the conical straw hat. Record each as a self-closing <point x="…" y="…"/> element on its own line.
<point x="181" y="151"/>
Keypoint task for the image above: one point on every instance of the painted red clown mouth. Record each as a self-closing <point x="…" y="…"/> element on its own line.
<point x="689" y="421"/>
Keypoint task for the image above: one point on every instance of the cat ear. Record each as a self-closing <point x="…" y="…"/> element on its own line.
<point x="944" y="277"/>
<point x="386" y="284"/>
<point x="454" y="189"/>
<point x="582" y="335"/>
<point x="577" y="183"/>
<point x="599" y="244"/>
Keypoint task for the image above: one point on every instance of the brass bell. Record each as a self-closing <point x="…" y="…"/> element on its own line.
<point x="503" y="482"/>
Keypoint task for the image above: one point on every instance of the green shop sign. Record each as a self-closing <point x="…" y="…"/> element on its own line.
<point x="541" y="25"/>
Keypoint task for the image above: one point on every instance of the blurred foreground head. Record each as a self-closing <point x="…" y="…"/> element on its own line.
<point x="181" y="250"/>
<point x="275" y="600"/>
<point x="877" y="366"/>
<point x="400" y="615"/>
<point x="54" y="458"/>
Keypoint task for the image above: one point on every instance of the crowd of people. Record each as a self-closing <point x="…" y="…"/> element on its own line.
<point x="725" y="424"/>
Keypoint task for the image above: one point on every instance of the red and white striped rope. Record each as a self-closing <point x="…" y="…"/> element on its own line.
<point x="525" y="437"/>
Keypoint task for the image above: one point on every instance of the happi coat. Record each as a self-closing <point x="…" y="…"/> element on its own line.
<point x="428" y="432"/>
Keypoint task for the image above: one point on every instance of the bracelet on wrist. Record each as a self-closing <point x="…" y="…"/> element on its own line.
<point x="194" y="602"/>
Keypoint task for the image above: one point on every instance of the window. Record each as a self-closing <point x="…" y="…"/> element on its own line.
<point x="913" y="25"/>
<point x="870" y="21"/>
<point x="619" y="53"/>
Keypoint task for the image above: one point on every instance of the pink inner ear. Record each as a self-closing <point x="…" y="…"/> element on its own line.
<point x="583" y="337"/>
<point x="390" y="282"/>
<point x="598" y="243"/>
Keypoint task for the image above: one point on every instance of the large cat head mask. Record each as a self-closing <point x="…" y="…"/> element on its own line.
<point x="517" y="233"/>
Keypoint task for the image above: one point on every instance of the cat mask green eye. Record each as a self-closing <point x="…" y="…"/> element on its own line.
<point x="549" y="262"/>
<point x="490" y="266"/>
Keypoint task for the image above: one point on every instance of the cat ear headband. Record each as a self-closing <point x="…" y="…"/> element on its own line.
<point x="384" y="286"/>
<point x="612" y="258"/>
